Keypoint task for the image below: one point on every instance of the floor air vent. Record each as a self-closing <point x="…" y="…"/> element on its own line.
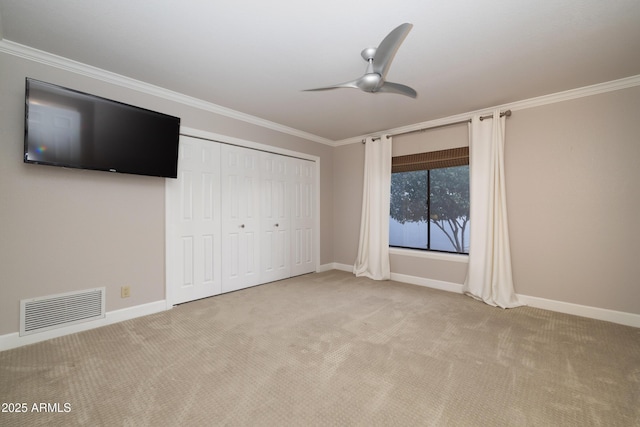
<point x="55" y="311"/>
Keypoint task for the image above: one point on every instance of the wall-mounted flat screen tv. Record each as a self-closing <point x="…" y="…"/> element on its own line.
<point x="68" y="128"/>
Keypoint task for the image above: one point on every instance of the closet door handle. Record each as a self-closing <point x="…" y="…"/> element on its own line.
<point x="241" y="225"/>
<point x="277" y="225"/>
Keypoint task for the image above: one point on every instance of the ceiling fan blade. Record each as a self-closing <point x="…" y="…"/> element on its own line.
<point x="352" y="84"/>
<point x="397" y="88"/>
<point x="388" y="48"/>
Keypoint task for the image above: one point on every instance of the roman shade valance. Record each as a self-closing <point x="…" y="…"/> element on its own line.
<point x="431" y="160"/>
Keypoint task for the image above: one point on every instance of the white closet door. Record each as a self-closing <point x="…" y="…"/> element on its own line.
<point x="240" y="176"/>
<point x="302" y="217"/>
<point x="275" y="208"/>
<point x="193" y="201"/>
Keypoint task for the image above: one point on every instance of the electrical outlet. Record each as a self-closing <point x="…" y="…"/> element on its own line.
<point x="125" y="292"/>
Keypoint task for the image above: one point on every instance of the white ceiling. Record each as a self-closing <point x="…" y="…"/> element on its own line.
<point x="256" y="56"/>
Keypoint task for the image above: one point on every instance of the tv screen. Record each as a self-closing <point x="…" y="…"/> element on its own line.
<point x="65" y="127"/>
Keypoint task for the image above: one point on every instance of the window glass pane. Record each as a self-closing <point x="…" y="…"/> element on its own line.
<point x="408" y="219"/>
<point x="408" y="235"/>
<point x="450" y="209"/>
<point x="440" y="223"/>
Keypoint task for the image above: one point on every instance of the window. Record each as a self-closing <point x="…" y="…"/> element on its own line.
<point x="430" y="201"/>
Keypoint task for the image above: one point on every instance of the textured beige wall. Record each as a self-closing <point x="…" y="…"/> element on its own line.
<point x="433" y="269"/>
<point x="572" y="172"/>
<point x="348" y="178"/>
<point x="441" y="138"/>
<point x="65" y="230"/>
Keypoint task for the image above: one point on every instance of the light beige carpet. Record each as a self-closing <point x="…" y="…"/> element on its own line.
<point x="331" y="349"/>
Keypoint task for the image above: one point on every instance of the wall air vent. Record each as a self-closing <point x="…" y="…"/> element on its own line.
<point x="55" y="311"/>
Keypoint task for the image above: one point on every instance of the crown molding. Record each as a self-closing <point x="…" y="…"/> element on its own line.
<point x="46" y="58"/>
<point x="568" y="95"/>
<point x="553" y="98"/>
<point x="49" y="59"/>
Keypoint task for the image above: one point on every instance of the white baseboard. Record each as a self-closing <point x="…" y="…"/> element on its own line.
<point x="326" y="267"/>
<point x="14" y="340"/>
<point x="405" y="278"/>
<point x="342" y="267"/>
<point x="334" y="266"/>
<point x="429" y="283"/>
<point x="621" y="317"/>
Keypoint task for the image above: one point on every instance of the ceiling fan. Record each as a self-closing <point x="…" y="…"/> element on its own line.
<point x="379" y="60"/>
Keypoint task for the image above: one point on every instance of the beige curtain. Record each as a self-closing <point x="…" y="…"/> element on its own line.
<point x="373" y="245"/>
<point x="489" y="276"/>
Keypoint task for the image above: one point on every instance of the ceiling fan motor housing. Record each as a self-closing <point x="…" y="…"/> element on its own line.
<point x="370" y="82"/>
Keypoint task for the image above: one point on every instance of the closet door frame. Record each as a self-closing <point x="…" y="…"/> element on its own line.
<point x="217" y="138"/>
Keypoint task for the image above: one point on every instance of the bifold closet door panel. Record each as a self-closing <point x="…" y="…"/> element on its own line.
<point x="303" y="217"/>
<point x="275" y="213"/>
<point x="240" y="190"/>
<point x="193" y="201"/>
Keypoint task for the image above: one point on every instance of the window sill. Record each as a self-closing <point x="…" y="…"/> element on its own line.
<point x="430" y="255"/>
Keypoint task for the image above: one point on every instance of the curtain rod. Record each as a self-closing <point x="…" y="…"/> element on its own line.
<point x="489" y="116"/>
<point x="502" y="114"/>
